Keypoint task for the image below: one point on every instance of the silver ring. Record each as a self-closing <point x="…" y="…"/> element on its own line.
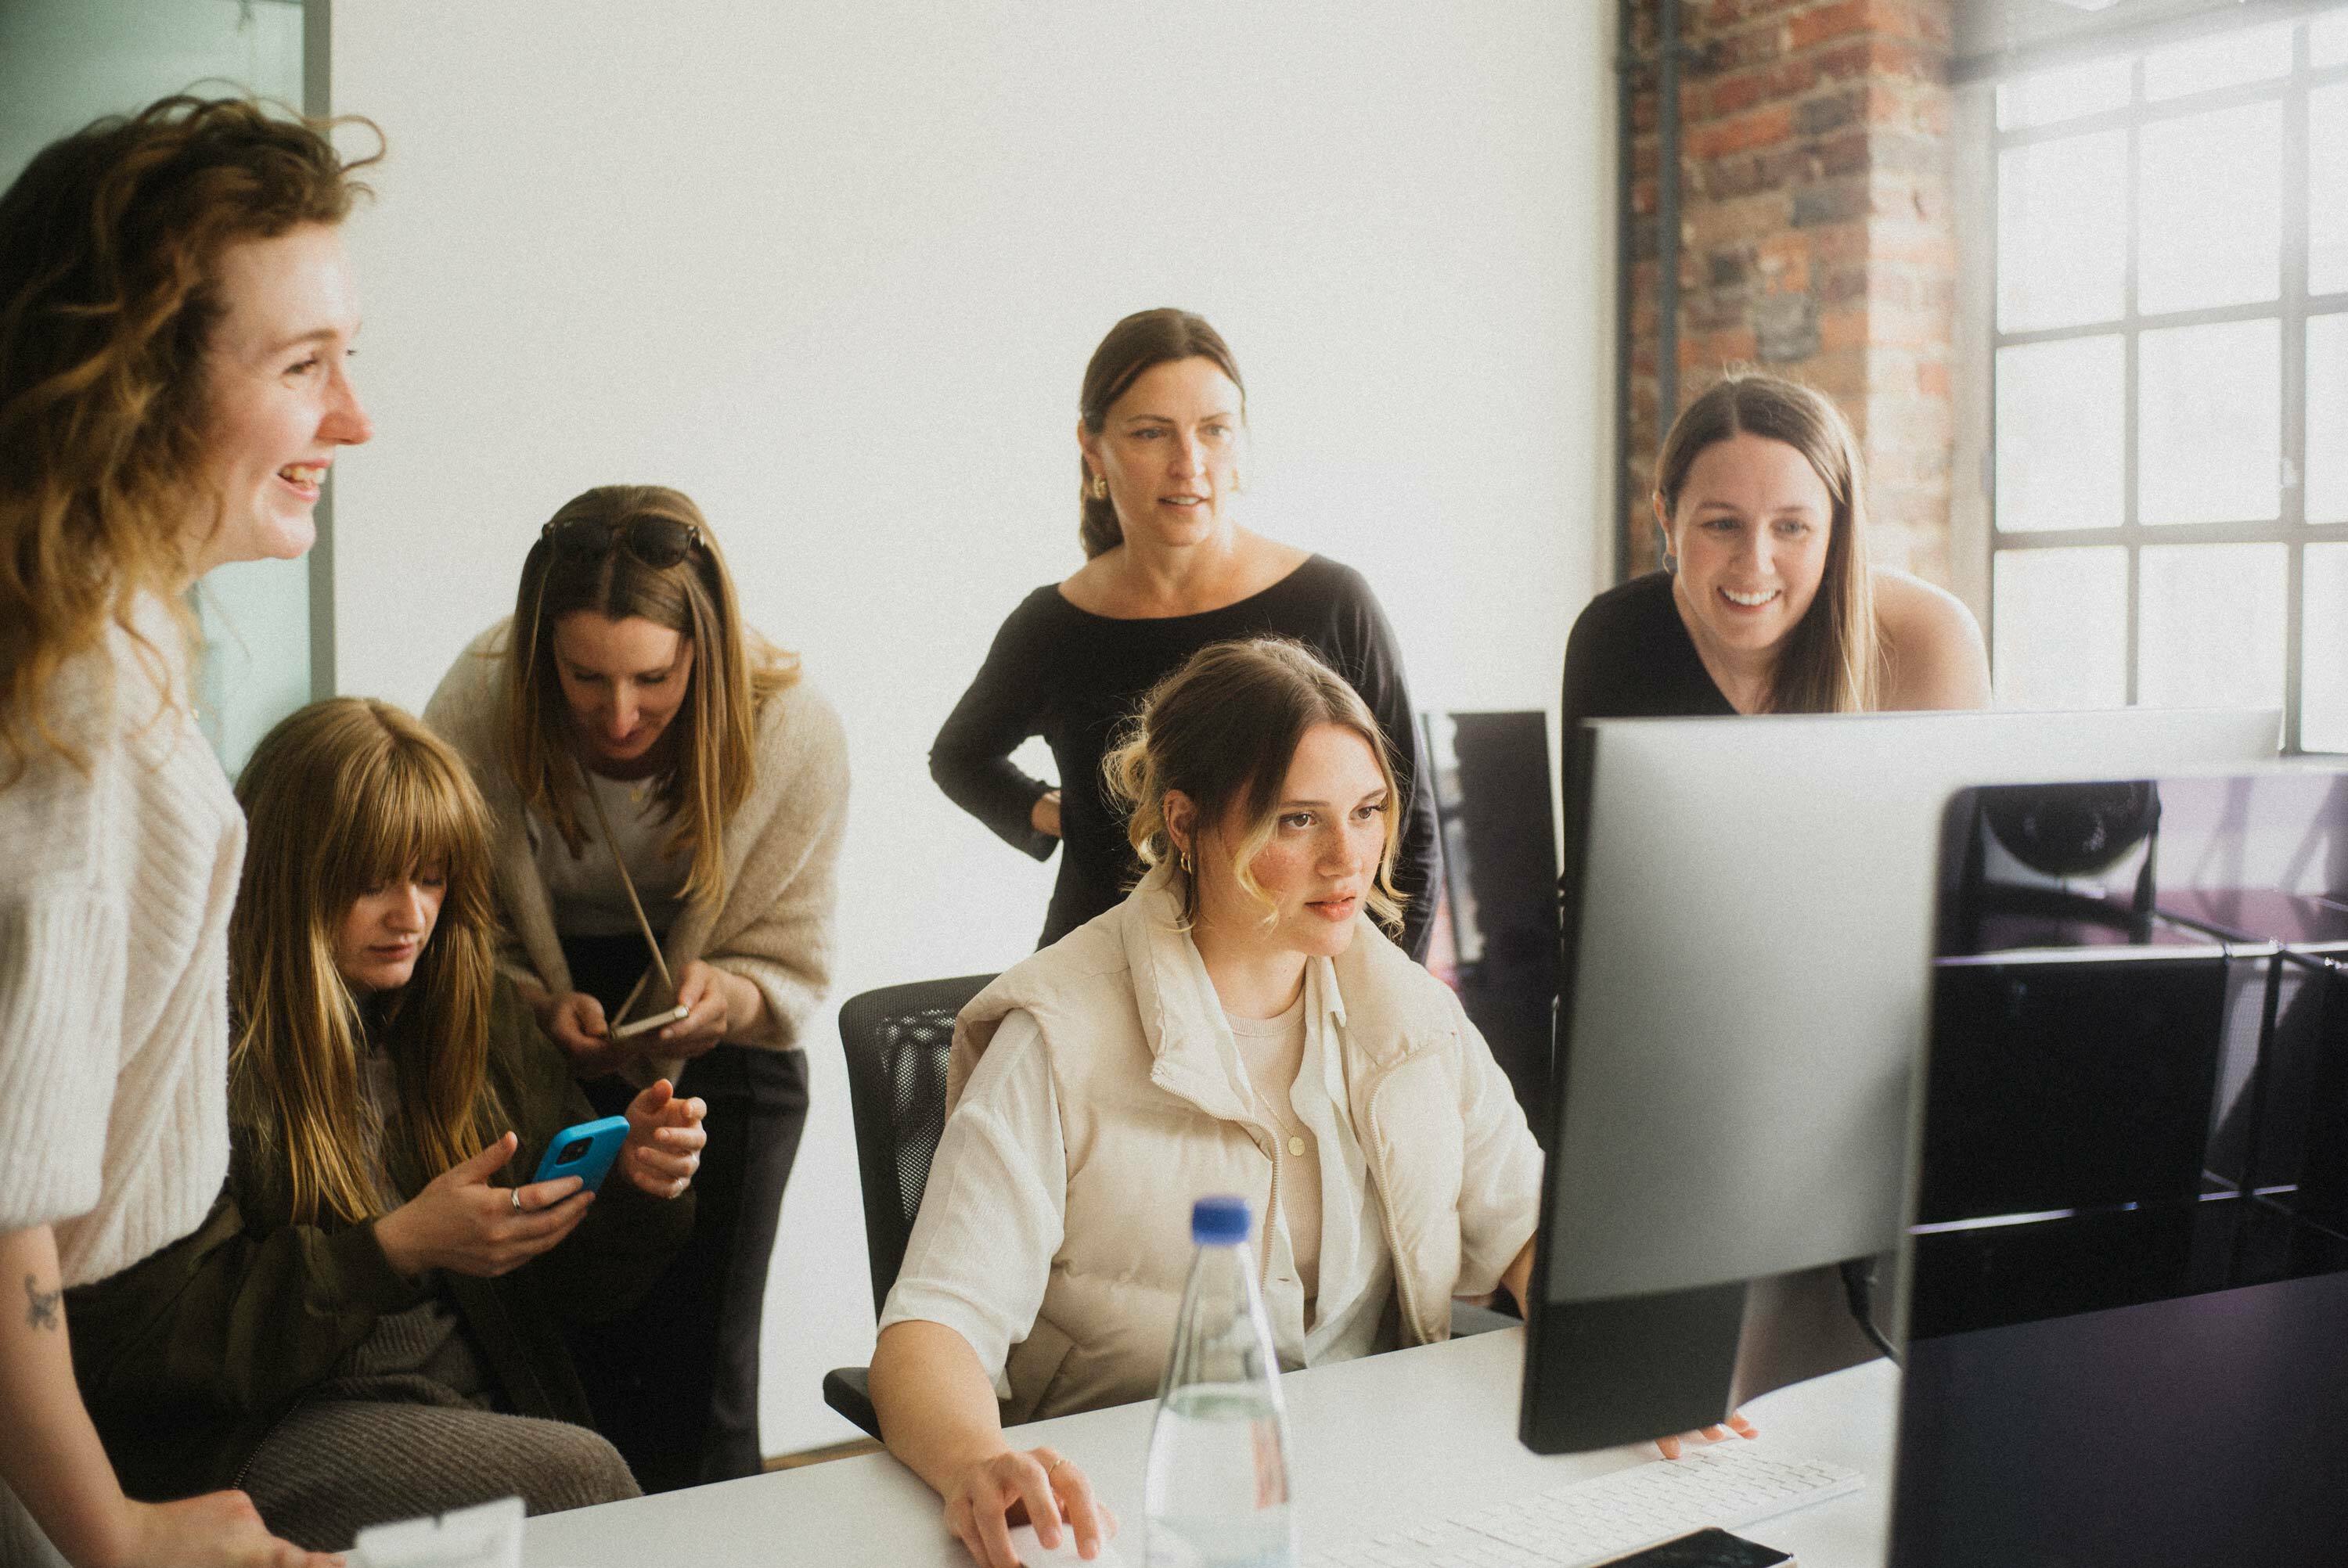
<point x="517" y="1200"/>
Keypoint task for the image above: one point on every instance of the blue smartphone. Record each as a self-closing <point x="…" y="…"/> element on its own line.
<point x="586" y="1151"/>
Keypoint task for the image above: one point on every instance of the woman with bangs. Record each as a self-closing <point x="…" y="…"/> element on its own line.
<point x="667" y="796"/>
<point x="364" y="1327"/>
<point x="1244" y="1023"/>
<point x="176" y="320"/>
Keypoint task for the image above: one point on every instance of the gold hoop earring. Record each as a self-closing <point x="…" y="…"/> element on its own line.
<point x="1182" y="857"/>
<point x="1099" y="491"/>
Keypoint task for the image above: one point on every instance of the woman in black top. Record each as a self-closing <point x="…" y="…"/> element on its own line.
<point x="1170" y="571"/>
<point x="1765" y="603"/>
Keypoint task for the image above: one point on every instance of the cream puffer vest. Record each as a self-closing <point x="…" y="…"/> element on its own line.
<point x="1150" y="1123"/>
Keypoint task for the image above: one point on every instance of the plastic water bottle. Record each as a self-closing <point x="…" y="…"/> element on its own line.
<point x="1215" y="1495"/>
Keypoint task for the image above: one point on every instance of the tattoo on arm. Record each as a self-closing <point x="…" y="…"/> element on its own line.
<point x="41" y="1305"/>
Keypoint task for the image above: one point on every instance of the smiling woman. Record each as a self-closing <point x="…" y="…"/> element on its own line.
<point x="175" y="321"/>
<point x="1767" y="602"/>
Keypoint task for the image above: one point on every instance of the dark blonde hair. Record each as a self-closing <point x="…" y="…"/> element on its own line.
<point x="734" y="672"/>
<point x="1224" y="729"/>
<point x="340" y="798"/>
<point x="1832" y="660"/>
<point x="109" y="244"/>
<point x="1141" y="341"/>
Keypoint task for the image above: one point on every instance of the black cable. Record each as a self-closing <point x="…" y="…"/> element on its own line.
<point x="1859" y="1289"/>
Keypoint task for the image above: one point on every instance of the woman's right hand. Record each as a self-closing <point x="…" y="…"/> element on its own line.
<point x="462" y="1224"/>
<point x="1037" y="1485"/>
<point x="218" y="1530"/>
<point x="574" y="1021"/>
<point x="1044" y="816"/>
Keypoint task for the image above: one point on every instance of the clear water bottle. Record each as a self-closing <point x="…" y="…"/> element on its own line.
<point x="1217" y="1492"/>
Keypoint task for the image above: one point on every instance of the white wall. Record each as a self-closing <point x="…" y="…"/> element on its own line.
<point x="835" y="269"/>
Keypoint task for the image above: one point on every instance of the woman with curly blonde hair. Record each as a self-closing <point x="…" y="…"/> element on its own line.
<point x="175" y="314"/>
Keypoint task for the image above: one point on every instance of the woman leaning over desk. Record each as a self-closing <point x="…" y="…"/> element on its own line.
<point x="1765" y="603"/>
<point x="176" y="315"/>
<point x="649" y="761"/>
<point x="1241" y="1023"/>
<point x="1168" y="570"/>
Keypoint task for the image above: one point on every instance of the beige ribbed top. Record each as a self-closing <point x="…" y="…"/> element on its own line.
<point x="114" y="910"/>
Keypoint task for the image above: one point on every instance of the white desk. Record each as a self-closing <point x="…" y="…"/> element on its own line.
<point x="1378" y="1444"/>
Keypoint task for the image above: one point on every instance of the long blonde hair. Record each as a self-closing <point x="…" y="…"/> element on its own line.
<point x="109" y="242"/>
<point x="734" y="671"/>
<point x="1832" y="661"/>
<point x="1222" y="729"/>
<point x="346" y="795"/>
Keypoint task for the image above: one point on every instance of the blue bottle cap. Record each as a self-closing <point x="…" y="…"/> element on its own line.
<point x="1220" y="1221"/>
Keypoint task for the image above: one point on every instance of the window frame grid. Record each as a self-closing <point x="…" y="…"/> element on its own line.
<point x="2292" y="308"/>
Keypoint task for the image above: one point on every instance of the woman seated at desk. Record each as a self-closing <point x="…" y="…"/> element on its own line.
<point x="366" y="1326"/>
<point x="1239" y="1023"/>
<point x="1765" y="603"/>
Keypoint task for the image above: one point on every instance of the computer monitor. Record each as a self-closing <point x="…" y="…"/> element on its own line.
<point x="2129" y="1267"/>
<point x="1747" y="925"/>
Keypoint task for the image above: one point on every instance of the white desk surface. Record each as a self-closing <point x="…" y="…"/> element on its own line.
<point x="1378" y="1444"/>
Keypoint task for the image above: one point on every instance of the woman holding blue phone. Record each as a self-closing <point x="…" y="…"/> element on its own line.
<point x="667" y="795"/>
<point x="366" y="1326"/>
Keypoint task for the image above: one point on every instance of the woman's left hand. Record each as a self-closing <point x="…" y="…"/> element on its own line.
<point x="664" y="1141"/>
<point x="715" y="1004"/>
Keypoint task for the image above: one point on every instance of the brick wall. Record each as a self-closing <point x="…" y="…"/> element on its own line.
<point x="1815" y="236"/>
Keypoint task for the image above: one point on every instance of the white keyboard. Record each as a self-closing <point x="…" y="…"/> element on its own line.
<point x="1591" y="1521"/>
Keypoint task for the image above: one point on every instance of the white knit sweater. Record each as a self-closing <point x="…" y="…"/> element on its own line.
<point x="115" y="888"/>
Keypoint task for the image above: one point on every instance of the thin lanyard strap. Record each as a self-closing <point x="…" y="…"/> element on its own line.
<point x="604" y="821"/>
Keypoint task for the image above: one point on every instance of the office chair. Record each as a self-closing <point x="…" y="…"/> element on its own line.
<point x="896" y="1041"/>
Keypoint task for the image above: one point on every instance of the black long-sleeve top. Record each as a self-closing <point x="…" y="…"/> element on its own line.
<point x="1074" y="677"/>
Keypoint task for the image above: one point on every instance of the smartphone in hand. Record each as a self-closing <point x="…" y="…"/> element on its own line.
<point x="585" y="1150"/>
<point x="637" y="1026"/>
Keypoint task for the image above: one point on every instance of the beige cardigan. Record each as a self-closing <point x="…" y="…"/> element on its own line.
<point x="774" y="927"/>
<point x="1151" y="1120"/>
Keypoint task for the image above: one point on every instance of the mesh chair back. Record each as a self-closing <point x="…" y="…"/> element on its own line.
<point x="897" y="1039"/>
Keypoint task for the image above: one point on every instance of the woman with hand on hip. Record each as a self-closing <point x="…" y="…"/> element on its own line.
<point x="365" y="1327"/>
<point x="1161" y="427"/>
<point x="176" y="317"/>
<point x="667" y="797"/>
<point x="1765" y="603"/>
<point x="1241" y="1023"/>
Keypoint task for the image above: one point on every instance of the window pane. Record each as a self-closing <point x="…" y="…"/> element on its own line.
<point x="2065" y="94"/>
<point x="2059" y="412"/>
<point x="2209" y="632"/>
<point x="2218" y="60"/>
<point x="2061" y="628"/>
<point x="2327" y="40"/>
<point x="2326" y="496"/>
<point x="2323" y="650"/>
<point x="2210" y="423"/>
<point x="2062" y="231"/>
<point x="2209" y="212"/>
<point x="2327" y="190"/>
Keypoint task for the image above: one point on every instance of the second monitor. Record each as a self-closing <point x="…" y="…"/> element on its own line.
<point x="1748" y="926"/>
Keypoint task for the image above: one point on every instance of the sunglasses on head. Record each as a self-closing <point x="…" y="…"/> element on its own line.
<point x="655" y="541"/>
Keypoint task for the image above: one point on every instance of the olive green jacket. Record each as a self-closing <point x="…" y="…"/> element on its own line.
<point x="188" y="1359"/>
